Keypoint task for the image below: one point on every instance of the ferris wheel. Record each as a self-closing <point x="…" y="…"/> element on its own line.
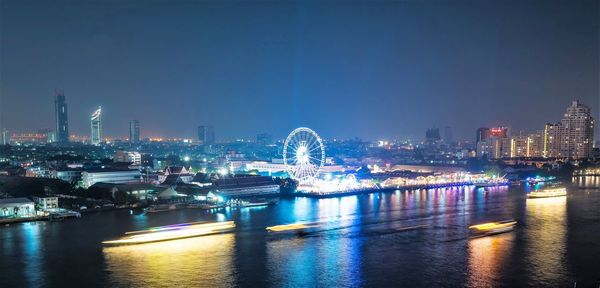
<point x="303" y="154"/>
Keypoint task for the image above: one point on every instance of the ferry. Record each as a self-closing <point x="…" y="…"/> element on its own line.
<point x="300" y="229"/>
<point x="492" y="228"/>
<point x="172" y="232"/>
<point x="548" y="192"/>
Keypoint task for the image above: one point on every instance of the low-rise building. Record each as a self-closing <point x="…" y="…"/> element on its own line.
<point x="246" y="186"/>
<point x="46" y="203"/>
<point x="17" y="207"/>
<point x="92" y="177"/>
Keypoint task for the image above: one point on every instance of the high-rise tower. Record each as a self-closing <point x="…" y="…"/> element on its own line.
<point x="134" y="131"/>
<point x="62" y="123"/>
<point x="206" y="135"/>
<point x="96" y="124"/>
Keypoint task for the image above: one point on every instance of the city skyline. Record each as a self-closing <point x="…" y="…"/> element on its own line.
<point x="505" y="71"/>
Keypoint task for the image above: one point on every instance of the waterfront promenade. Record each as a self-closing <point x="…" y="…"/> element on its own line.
<point x="388" y="189"/>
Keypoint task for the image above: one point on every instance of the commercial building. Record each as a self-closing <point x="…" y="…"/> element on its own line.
<point x="206" y="135"/>
<point x="96" y="125"/>
<point x="62" y="122"/>
<point x="573" y="136"/>
<point x="91" y="177"/>
<point x="134" y="131"/>
<point x="16" y="207"/>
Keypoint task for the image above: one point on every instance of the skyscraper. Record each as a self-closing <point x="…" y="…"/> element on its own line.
<point x="62" y="123"/>
<point x="206" y="135"/>
<point x="96" y="124"/>
<point x="5" y="137"/>
<point x="573" y="137"/>
<point x="134" y="131"/>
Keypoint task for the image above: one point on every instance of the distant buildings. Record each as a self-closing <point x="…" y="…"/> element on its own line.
<point x="432" y="135"/>
<point x="134" y="131"/>
<point x="448" y="137"/>
<point x="96" y="125"/>
<point x="264" y="139"/>
<point x="573" y="136"/>
<point x="62" y="122"/>
<point x="206" y="135"/>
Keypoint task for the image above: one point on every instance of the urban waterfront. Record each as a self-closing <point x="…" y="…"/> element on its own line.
<point x="405" y="238"/>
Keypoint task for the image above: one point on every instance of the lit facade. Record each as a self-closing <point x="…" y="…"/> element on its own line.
<point x="96" y="125"/>
<point x="573" y="137"/>
<point x="89" y="178"/>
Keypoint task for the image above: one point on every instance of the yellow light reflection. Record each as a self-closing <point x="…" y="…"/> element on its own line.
<point x="193" y="262"/>
<point x="487" y="256"/>
<point x="172" y="232"/>
<point x="546" y="235"/>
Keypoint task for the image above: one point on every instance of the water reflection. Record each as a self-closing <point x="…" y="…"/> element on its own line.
<point x="194" y="262"/>
<point x="487" y="257"/>
<point x="546" y="236"/>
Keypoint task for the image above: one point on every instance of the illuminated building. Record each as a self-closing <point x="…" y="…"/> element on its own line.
<point x="62" y="123"/>
<point x="526" y="146"/>
<point x="246" y="186"/>
<point x="16" y="207"/>
<point x="46" y="203"/>
<point x="495" y="142"/>
<point x="206" y="135"/>
<point x="29" y="138"/>
<point x="96" y="125"/>
<point x="91" y="177"/>
<point x="134" y="131"/>
<point x="573" y="137"/>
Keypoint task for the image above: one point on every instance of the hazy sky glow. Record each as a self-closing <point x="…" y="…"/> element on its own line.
<point x="369" y="69"/>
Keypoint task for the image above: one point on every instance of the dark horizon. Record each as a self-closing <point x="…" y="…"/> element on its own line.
<point x="357" y="69"/>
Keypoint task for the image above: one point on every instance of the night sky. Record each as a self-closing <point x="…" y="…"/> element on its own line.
<point x="381" y="69"/>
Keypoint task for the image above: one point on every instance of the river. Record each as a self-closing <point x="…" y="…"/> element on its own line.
<point x="399" y="239"/>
